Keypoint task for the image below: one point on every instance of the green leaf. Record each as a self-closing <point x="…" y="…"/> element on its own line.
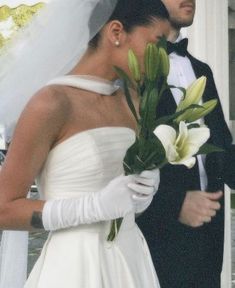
<point x="162" y="42"/>
<point x="152" y="151"/>
<point x="183" y="90"/>
<point x="115" y="227"/>
<point x="129" y="160"/>
<point x="152" y="103"/>
<point x="127" y="83"/>
<point x="129" y="101"/>
<point x="170" y="118"/>
<point x="209" y="148"/>
<point x="193" y="125"/>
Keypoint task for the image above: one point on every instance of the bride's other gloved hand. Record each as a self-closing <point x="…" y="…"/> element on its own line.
<point x="112" y="202"/>
<point x="145" y="186"/>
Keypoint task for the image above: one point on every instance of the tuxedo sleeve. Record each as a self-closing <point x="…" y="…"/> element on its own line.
<point x="221" y="135"/>
<point x="230" y="167"/>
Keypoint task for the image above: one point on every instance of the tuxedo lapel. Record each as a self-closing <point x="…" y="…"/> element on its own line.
<point x="199" y="70"/>
<point x="167" y="104"/>
<point x="214" y="161"/>
<point x="196" y="66"/>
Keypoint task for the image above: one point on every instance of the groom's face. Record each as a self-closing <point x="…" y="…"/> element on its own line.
<point x="181" y="12"/>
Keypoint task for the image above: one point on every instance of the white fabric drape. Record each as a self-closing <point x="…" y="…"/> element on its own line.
<point x="13" y="259"/>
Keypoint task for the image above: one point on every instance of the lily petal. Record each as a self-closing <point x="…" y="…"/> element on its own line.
<point x="171" y="153"/>
<point x="166" y="134"/>
<point x="189" y="150"/>
<point x="198" y="136"/>
<point x="187" y="162"/>
<point x="183" y="134"/>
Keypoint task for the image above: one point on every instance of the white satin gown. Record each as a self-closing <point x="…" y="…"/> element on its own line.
<point x="81" y="257"/>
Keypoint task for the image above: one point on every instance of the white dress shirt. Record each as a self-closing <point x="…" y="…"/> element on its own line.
<point x="182" y="75"/>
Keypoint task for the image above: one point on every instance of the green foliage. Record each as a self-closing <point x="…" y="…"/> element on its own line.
<point x="147" y="152"/>
<point x="209" y="148"/>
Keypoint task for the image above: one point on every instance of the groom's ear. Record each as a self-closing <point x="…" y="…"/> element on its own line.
<point x="115" y="32"/>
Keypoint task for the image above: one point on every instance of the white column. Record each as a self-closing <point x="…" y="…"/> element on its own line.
<point x="209" y="42"/>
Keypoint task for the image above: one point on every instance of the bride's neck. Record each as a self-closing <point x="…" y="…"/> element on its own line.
<point x="96" y="64"/>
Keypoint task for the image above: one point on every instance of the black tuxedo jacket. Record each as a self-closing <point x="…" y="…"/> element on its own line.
<point x="186" y="257"/>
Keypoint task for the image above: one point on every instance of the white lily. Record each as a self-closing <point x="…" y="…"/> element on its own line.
<point x="182" y="147"/>
<point x="193" y="93"/>
<point x="193" y="96"/>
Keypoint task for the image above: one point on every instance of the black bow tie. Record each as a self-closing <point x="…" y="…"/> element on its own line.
<point x="179" y="48"/>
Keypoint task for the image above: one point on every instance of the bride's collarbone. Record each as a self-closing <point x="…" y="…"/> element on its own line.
<point x="105" y="106"/>
<point x="86" y="118"/>
<point x="91" y="110"/>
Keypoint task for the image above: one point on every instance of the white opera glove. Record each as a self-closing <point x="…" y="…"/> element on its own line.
<point x="145" y="186"/>
<point x="112" y="202"/>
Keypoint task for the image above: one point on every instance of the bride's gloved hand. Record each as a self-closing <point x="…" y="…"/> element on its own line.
<point x="145" y="185"/>
<point x="112" y="202"/>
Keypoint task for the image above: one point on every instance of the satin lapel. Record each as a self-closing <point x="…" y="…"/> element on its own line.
<point x="214" y="162"/>
<point x="199" y="70"/>
<point x="167" y="104"/>
<point x="196" y="66"/>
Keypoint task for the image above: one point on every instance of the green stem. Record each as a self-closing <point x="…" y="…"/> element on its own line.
<point x="115" y="227"/>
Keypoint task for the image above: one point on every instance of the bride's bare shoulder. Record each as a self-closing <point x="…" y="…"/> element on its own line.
<point x="50" y="100"/>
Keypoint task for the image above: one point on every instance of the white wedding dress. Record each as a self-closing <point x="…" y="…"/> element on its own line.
<point x="81" y="257"/>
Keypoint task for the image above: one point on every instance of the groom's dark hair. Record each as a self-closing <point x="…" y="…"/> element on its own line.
<point x="132" y="13"/>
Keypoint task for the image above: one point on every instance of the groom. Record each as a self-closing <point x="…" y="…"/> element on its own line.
<point x="184" y="225"/>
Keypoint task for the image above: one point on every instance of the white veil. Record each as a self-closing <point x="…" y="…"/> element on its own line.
<point x="49" y="46"/>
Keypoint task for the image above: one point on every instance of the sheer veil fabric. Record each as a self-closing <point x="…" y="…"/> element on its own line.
<point x="50" y="46"/>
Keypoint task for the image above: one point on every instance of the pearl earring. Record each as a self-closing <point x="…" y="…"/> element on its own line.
<point x="117" y="43"/>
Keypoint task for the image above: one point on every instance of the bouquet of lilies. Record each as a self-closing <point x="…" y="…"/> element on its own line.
<point x="174" y="139"/>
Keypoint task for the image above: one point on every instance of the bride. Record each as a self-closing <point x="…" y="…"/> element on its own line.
<point x="72" y="137"/>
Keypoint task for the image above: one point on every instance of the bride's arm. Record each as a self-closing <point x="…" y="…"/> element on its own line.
<point x="42" y="124"/>
<point x="39" y="127"/>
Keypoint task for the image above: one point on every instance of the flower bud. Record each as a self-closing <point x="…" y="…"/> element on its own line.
<point x="151" y="61"/>
<point x="193" y="93"/>
<point x="134" y="66"/>
<point x="198" y="113"/>
<point x="164" y="62"/>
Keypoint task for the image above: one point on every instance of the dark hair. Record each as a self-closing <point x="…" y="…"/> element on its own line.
<point x="132" y="13"/>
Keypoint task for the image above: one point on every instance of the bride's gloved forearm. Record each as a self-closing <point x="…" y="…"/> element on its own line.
<point x="112" y="202"/>
<point x="121" y="196"/>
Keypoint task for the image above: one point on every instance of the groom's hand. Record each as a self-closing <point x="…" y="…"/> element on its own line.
<point x="199" y="207"/>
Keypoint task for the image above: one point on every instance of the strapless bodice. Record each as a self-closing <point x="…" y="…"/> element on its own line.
<point x="85" y="162"/>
